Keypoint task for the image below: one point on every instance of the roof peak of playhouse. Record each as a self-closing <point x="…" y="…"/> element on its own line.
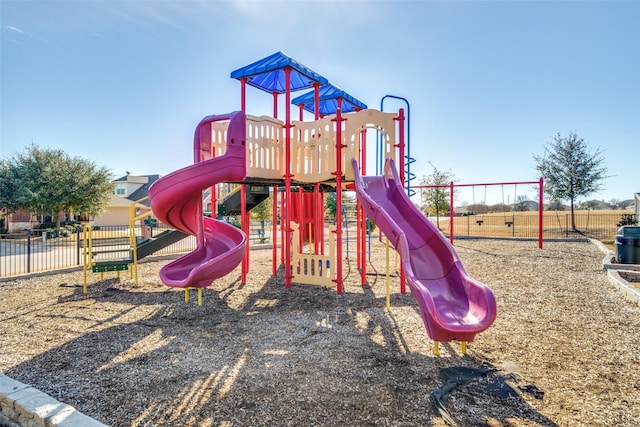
<point x="328" y="100"/>
<point x="268" y="74"/>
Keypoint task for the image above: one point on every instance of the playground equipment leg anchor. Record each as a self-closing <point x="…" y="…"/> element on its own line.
<point x="463" y="347"/>
<point x="186" y="294"/>
<point x="436" y="348"/>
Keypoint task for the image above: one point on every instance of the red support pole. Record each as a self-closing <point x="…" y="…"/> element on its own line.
<point x="316" y="100"/>
<point x="317" y="218"/>
<point x="338" y="173"/>
<point x="287" y="181"/>
<point x="401" y="145"/>
<point x="282" y="227"/>
<point x="299" y="203"/>
<point x="321" y="208"/>
<point x="363" y="171"/>
<point x="451" y="213"/>
<point x="274" y="232"/>
<point x="540" y="213"/>
<point x="244" y="223"/>
<point x="400" y="163"/>
<point x="275" y="105"/>
<point x="243" y="94"/>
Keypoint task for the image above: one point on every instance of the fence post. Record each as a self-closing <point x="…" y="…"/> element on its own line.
<point x="28" y="250"/>
<point x="79" y="234"/>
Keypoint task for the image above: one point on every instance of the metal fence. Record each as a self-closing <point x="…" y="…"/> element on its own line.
<point x="36" y="251"/>
<point x="39" y="250"/>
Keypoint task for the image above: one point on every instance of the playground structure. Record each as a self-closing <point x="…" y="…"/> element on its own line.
<point x="301" y="161"/>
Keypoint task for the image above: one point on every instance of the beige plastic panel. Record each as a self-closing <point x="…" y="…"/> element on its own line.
<point x="310" y="268"/>
<point x="312" y="150"/>
<point x="382" y="122"/>
<point x="265" y="147"/>
<point x="312" y="144"/>
<point x="219" y="138"/>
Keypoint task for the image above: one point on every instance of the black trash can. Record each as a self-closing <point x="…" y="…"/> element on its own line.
<point x="628" y="245"/>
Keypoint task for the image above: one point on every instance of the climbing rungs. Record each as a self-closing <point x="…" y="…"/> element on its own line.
<point x="104" y="267"/>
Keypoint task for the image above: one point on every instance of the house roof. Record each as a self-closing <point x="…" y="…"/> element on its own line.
<point x="144" y="190"/>
<point x="268" y="74"/>
<point x="121" y="202"/>
<point x="137" y="179"/>
<point x="328" y="101"/>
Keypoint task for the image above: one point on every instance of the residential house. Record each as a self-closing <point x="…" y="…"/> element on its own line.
<point x="118" y="211"/>
<point x="134" y="187"/>
<point x="127" y="189"/>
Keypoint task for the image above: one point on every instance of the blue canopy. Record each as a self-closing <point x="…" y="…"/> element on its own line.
<point x="328" y="100"/>
<point x="268" y="74"/>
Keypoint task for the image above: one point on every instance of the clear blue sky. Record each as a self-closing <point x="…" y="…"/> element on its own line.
<point x="123" y="83"/>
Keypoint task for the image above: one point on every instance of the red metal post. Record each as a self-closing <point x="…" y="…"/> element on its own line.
<point x="275" y="105"/>
<point x="317" y="218"/>
<point x="400" y="144"/>
<point x="274" y="232"/>
<point x="244" y="223"/>
<point x="287" y="180"/>
<point x="243" y="94"/>
<point x="338" y="173"/>
<point x="400" y="163"/>
<point x="541" y="213"/>
<point x="365" y="229"/>
<point x="316" y="100"/>
<point x="451" y="213"/>
<point x="321" y="209"/>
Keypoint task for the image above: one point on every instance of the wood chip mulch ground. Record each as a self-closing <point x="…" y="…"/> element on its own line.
<point x="562" y="352"/>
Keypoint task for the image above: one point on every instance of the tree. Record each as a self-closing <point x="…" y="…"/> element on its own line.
<point x="50" y="182"/>
<point x="263" y="210"/>
<point x="570" y="170"/>
<point x="436" y="200"/>
<point x="521" y="203"/>
<point x="330" y="205"/>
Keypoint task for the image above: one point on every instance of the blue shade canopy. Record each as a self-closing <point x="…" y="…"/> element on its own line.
<point x="268" y="74"/>
<point x="328" y="101"/>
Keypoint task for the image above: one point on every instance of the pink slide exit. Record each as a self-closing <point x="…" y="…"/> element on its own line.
<point x="176" y="200"/>
<point x="453" y="305"/>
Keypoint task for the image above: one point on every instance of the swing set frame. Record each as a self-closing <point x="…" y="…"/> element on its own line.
<point x="452" y="186"/>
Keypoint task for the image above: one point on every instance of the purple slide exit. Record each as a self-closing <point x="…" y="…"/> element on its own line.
<point x="453" y="306"/>
<point x="176" y="200"/>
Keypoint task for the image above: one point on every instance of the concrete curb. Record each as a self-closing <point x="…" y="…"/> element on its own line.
<point x="24" y="406"/>
<point x="631" y="292"/>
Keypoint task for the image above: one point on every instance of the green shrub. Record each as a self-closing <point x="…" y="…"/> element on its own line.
<point x="627" y="219"/>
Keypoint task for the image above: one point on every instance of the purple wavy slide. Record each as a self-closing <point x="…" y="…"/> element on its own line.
<point x="176" y="200"/>
<point x="453" y="306"/>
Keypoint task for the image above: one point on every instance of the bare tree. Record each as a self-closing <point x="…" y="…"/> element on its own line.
<point x="570" y="169"/>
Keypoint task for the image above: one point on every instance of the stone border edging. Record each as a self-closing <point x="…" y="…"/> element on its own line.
<point x="631" y="292"/>
<point x="24" y="406"/>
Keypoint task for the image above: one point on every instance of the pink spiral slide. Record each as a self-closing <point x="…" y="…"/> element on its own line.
<point x="176" y="200"/>
<point x="453" y="306"/>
